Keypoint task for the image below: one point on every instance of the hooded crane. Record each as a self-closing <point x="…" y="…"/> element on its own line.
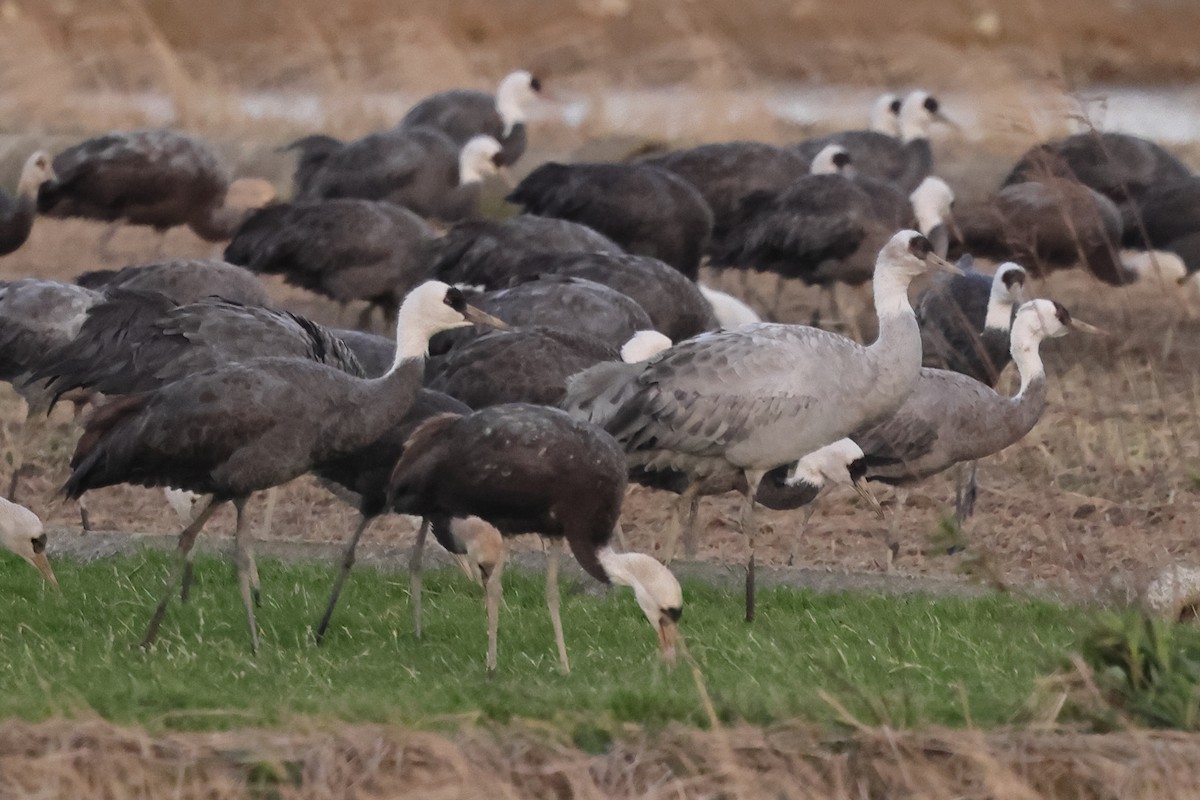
<point x="885" y="114"/>
<point x="949" y="418"/>
<point x="487" y="254"/>
<point x="21" y="534"/>
<point x="569" y="304"/>
<point x="1119" y="166"/>
<point x="904" y="161"/>
<point x="532" y="469"/>
<point x="245" y="427"/>
<point x="36" y="317"/>
<point x="158" y="178"/>
<point x="725" y="172"/>
<point x="343" y="249"/>
<point x="363" y="474"/>
<point x="1048" y="225"/>
<point x="644" y="209"/>
<point x="761" y="396"/>
<point x="420" y="169"/>
<point x="17" y="213"/>
<point x="675" y="305"/>
<point x="464" y="113"/>
<point x="1165" y="220"/>
<point x="186" y="280"/>
<point x="965" y="322"/>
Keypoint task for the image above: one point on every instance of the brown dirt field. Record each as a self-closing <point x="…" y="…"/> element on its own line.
<point x="96" y="759"/>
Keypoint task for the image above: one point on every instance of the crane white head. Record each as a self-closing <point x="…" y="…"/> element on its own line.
<point x="841" y="463"/>
<point x="515" y="97"/>
<point x="832" y="160"/>
<point x="932" y="204"/>
<point x="918" y="111"/>
<point x="480" y="157"/>
<point x="21" y="533"/>
<point x="1035" y="321"/>
<point x="729" y="311"/>
<point x="657" y="592"/>
<point x="885" y="114"/>
<point x="484" y="545"/>
<point x="643" y="346"/>
<point x="38" y="169"/>
<point x="429" y="309"/>
<point x="1008" y="290"/>
<point x="907" y="255"/>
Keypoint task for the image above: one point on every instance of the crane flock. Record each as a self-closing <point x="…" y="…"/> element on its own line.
<point x="543" y="363"/>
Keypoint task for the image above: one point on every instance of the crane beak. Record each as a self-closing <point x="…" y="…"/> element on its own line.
<point x="668" y="637"/>
<point x="942" y="264"/>
<point x="1083" y="327"/>
<point x="42" y="564"/>
<point x="478" y="317"/>
<point x="864" y="491"/>
<point x="947" y="121"/>
<point x="506" y="177"/>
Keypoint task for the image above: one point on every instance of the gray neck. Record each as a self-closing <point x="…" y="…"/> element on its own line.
<point x="918" y="163"/>
<point x="373" y="407"/>
<point x="219" y="224"/>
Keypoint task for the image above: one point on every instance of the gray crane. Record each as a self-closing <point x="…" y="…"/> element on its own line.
<point x="248" y="426"/>
<point x="464" y="113"/>
<point x="184" y="280"/>
<point x="949" y="418"/>
<point x="761" y="396"/>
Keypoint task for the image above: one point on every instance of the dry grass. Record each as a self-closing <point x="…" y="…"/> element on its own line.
<point x="99" y="760"/>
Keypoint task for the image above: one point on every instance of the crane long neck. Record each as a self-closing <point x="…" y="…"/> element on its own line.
<point x="1028" y="359"/>
<point x="412" y="342"/>
<point x="999" y="314"/>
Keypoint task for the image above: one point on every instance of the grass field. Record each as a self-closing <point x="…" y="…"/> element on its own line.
<point x="904" y="662"/>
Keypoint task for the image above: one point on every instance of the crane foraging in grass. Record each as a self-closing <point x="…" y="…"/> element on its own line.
<point x="21" y="533"/>
<point x="533" y="469"/>
<point x="761" y="396"/>
<point x="245" y="427"/>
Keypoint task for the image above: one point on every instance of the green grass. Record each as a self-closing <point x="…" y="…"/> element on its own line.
<point x="905" y="661"/>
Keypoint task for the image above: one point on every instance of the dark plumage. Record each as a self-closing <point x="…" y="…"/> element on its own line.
<point x="1166" y="217"/>
<point x="903" y="162"/>
<point x="183" y="280"/>
<point x="529" y="365"/>
<point x="244" y="427"/>
<point x="1117" y="165"/>
<point x="674" y="304"/>
<point x="139" y="341"/>
<point x="965" y="321"/>
<point x="532" y="469"/>
<point x="1045" y="226"/>
<point x="489" y="254"/>
<point x="644" y="209"/>
<point x="311" y="154"/>
<point x="374" y="352"/>
<point x="421" y="169"/>
<point x="343" y="249"/>
<point x="464" y="113"/>
<point x="569" y="304"/>
<point x="158" y="178"/>
<point x="726" y="172"/>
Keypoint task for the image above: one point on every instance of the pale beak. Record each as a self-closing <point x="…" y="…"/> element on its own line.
<point x="942" y="264"/>
<point x="478" y="317"/>
<point x="42" y="564"/>
<point x="1083" y="327"/>
<point x="506" y="176"/>
<point x="468" y="568"/>
<point x="942" y="118"/>
<point x="864" y="491"/>
<point x="668" y="635"/>
<point x="1018" y="293"/>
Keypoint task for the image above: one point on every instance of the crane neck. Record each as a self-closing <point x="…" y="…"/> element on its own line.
<point x="999" y="314"/>
<point x="1028" y="359"/>
<point x="891" y="297"/>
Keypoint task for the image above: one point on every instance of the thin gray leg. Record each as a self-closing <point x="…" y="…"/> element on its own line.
<point x="245" y="567"/>
<point x="187" y="538"/>
<point x="414" y="575"/>
<point x="343" y="574"/>
<point x="552" y="599"/>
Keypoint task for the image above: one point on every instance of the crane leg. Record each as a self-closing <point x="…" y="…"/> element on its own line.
<point x="964" y="494"/>
<point x="343" y="574"/>
<point x="494" y="588"/>
<point x="682" y="523"/>
<point x="30" y="426"/>
<point x="893" y="544"/>
<point x="552" y="551"/>
<point x="245" y="568"/>
<point x="187" y="538"/>
<point x="809" y="510"/>
<point x="690" y="545"/>
<point x="749" y="526"/>
<point x="414" y="575"/>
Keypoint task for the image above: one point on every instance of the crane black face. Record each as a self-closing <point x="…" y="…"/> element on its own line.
<point x="1062" y="314"/>
<point x="920" y="247"/>
<point x="894" y="106"/>
<point x="931" y="105"/>
<point x="456" y="300"/>
<point x="857" y="469"/>
<point x="39" y="544"/>
<point x="1013" y="278"/>
<point x="535" y="84"/>
<point x="840" y="160"/>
